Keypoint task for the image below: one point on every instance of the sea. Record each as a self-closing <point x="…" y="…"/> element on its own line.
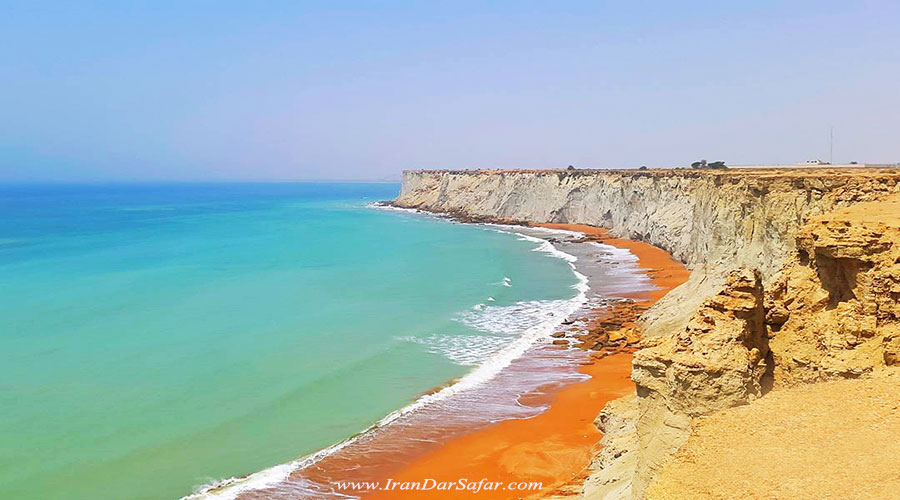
<point x="199" y="340"/>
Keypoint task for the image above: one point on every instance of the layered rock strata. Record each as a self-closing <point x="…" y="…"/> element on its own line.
<point x="719" y="360"/>
<point x="796" y="278"/>
<point x="834" y="312"/>
<point x="713" y="221"/>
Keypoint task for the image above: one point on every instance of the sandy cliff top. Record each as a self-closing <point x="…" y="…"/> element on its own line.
<point x="803" y="172"/>
<point x="830" y="440"/>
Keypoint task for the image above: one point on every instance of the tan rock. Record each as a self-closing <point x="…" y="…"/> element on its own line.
<point x="834" y="312"/>
<point x="613" y="464"/>
<point x="721" y="359"/>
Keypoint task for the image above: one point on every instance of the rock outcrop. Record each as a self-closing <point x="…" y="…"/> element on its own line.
<point x="834" y="312"/>
<point x="719" y="360"/>
<point x="614" y="464"/>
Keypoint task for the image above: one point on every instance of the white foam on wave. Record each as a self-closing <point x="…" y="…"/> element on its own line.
<point x="464" y="350"/>
<point x="384" y="206"/>
<point x="550" y="230"/>
<point x="515" y="318"/>
<point x="547" y="247"/>
<point x="539" y="330"/>
<point x="500" y="322"/>
<point x="543" y="245"/>
<point x="619" y="254"/>
<point x="621" y="263"/>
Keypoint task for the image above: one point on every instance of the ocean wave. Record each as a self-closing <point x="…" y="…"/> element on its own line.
<point x="464" y="350"/>
<point x="550" y="230"/>
<point x="543" y="245"/>
<point x="514" y="319"/>
<point x="148" y="208"/>
<point x="541" y="319"/>
<point x="622" y="264"/>
<point x="384" y="206"/>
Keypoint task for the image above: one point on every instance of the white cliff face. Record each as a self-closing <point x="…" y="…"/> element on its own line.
<point x="713" y="221"/>
<point x="708" y="358"/>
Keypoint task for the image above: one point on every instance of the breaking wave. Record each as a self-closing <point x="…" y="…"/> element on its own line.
<point x="529" y="322"/>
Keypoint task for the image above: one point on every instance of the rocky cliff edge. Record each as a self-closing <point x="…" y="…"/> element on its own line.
<point x="796" y="279"/>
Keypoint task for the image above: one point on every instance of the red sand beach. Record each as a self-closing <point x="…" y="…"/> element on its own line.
<point x="553" y="448"/>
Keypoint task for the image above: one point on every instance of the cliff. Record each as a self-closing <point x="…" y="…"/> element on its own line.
<point x="831" y="315"/>
<point x="713" y="221"/>
<point x="795" y="278"/>
<point x="834" y="311"/>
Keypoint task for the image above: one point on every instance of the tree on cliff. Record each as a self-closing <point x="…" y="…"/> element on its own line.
<point x="704" y="164"/>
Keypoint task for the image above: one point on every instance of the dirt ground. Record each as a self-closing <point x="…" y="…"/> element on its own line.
<point x="834" y="440"/>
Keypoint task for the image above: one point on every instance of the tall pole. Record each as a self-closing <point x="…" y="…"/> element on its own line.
<point x="831" y="144"/>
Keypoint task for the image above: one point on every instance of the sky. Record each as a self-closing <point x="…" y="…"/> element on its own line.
<point x="134" y="91"/>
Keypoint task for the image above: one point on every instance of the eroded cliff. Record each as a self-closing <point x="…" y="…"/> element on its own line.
<point x="834" y="312"/>
<point x="796" y="278"/>
<point x="713" y="221"/>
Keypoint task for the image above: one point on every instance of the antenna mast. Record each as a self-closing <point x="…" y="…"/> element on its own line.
<point x="831" y="144"/>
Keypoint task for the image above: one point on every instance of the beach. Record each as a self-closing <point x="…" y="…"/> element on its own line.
<point x="524" y="415"/>
<point x="553" y="448"/>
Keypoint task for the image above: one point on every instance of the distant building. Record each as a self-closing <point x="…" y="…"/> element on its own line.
<point x="816" y="164"/>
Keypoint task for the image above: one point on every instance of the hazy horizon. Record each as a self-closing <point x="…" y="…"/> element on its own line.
<point x="361" y="91"/>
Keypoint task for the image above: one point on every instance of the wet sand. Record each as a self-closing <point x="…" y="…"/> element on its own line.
<point x="554" y="447"/>
<point x="659" y="265"/>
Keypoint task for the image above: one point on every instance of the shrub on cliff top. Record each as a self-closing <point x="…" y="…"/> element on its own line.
<point x="718" y="165"/>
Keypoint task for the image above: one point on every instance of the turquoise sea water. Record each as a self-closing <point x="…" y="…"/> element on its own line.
<point x="157" y="337"/>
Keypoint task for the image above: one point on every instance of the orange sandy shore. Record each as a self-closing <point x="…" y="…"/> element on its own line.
<point x="555" y="447"/>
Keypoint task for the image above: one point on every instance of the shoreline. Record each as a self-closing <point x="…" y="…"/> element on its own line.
<point x="548" y="409"/>
<point x="370" y="453"/>
<point x="765" y="248"/>
<point x="555" y="446"/>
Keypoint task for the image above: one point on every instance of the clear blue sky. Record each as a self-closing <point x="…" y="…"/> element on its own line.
<point x="362" y="90"/>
